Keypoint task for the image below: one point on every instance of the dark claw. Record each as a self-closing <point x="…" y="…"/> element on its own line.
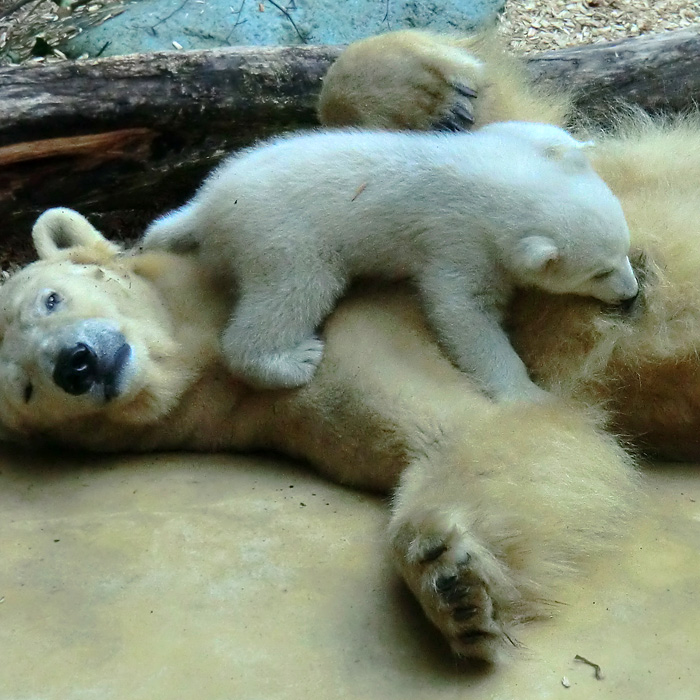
<point x="434" y="553"/>
<point x="445" y="583"/>
<point x="463" y="113"/>
<point x="464" y="90"/>
<point x="464" y="614"/>
<point x="448" y="124"/>
<point x="475" y="636"/>
<point x="465" y="562"/>
<point x="513" y="641"/>
<point x="455" y="594"/>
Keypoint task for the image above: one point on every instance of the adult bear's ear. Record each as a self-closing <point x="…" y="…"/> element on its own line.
<point x="60" y="231"/>
<point x="534" y="253"/>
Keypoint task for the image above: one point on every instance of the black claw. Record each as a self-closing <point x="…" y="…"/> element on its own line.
<point x="448" y="124"/>
<point x="464" y="90"/>
<point x="445" y="583"/>
<point x="475" y="636"/>
<point x="463" y="113"/>
<point x="513" y="641"/>
<point x="465" y="562"/>
<point x="464" y="614"/>
<point x="456" y="594"/>
<point x="434" y="553"/>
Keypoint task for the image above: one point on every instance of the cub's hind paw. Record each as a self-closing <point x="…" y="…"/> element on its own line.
<point x="280" y="370"/>
<point x="460" y="586"/>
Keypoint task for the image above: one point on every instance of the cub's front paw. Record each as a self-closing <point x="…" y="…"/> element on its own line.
<point x="280" y="370"/>
<point x="403" y="80"/>
<point x="461" y="587"/>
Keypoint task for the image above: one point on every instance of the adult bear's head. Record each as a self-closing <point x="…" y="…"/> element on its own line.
<point x="87" y="337"/>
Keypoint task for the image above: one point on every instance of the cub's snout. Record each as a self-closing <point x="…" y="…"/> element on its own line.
<point x="615" y="286"/>
<point x="628" y="305"/>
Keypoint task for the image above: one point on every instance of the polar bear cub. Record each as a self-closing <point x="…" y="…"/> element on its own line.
<point x="469" y="217"/>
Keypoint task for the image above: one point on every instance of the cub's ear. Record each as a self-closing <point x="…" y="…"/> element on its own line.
<point x="572" y="155"/>
<point x="534" y="253"/>
<point x="60" y="231"/>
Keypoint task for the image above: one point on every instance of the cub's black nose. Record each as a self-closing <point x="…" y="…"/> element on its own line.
<point x="629" y="304"/>
<point x="76" y="369"/>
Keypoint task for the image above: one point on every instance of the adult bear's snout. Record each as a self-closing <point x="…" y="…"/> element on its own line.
<point x="92" y="358"/>
<point x="76" y="369"/>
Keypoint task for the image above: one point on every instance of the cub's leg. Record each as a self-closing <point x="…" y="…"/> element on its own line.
<point x="271" y="339"/>
<point x="417" y="80"/>
<point x="486" y="524"/>
<point x="469" y="329"/>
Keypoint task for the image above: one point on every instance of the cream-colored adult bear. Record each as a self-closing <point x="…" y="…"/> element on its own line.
<point x="493" y="504"/>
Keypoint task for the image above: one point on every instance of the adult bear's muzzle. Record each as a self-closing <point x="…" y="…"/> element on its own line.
<point x="94" y="361"/>
<point x="76" y="369"/>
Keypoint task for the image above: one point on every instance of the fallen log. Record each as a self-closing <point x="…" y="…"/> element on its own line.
<point x="658" y="73"/>
<point x="135" y="134"/>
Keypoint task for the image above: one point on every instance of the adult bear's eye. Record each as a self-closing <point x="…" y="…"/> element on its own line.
<point x="52" y="301"/>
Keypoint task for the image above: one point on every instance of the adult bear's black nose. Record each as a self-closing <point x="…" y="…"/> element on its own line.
<point x="76" y="369"/>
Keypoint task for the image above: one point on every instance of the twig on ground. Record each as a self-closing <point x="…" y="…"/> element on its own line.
<point x="238" y="21"/>
<point x="596" y="667"/>
<point x="285" y="12"/>
<point x="165" y="19"/>
<point x="386" y="17"/>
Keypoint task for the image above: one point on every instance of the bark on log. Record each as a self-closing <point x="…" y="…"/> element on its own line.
<point x="659" y="73"/>
<point x="139" y="132"/>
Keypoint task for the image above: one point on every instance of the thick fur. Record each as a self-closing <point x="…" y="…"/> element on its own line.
<point x="466" y="216"/>
<point x="492" y="504"/>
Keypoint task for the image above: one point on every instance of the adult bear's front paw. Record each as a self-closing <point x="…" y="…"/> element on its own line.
<point x="402" y="80"/>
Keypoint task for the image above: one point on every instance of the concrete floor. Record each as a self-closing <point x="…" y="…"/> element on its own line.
<point x="207" y="577"/>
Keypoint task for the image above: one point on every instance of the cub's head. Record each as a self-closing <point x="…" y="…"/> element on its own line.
<point x="576" y="237"/>
<point x="84" y="337"/>
<point x="602" y="271"/>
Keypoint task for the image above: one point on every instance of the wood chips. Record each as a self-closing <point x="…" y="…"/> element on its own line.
<point x="539" y="25"/>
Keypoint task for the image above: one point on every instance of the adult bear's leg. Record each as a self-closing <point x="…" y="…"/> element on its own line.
<point x="487" y="521"/>
<point x="417" y="80"/>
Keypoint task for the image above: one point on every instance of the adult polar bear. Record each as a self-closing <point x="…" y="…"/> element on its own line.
<point x="494" y="503"/>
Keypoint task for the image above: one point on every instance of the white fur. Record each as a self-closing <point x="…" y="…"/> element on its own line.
<point x="468" y="216"/>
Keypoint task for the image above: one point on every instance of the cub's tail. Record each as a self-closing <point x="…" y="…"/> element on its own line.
<point x="175" y="232"/>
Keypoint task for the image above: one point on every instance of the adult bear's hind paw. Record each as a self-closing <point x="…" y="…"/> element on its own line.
<point x="402" y="80"/>
<point x="460" y="116"/>
<point x="460" y="585"/>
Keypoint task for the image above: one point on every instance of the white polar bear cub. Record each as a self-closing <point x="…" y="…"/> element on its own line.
<point x="468" y="217"/>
